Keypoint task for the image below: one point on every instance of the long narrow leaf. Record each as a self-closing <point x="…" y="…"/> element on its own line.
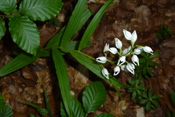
<point x="63" y="79"/>
<point x="92" y="66"/>
<point x="54" y="42"/>
<point x="74" y="21"/>
<point x="92" y="26"/>
<point x="2" y="28"/>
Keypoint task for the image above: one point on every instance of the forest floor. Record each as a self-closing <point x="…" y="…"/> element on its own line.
<point x="141" y="15"/>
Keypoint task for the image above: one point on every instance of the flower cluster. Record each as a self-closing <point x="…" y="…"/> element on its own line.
<point x="122" y="63"/>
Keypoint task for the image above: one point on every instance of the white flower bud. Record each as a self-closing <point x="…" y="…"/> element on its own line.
<point x="134" y="36"/>
<point x="118" y="43"/>
<point x="101" y="59"/>
<point x="125" y="51"/>
<point x="121" y="60"/>
<point x="138" y="50"/>
<point x="127" y="34"/>
<point x="135" y="60"/>
<point x="105" y="73"/>
<point x="106" y="48"/>
<point x="113" y="50"/>
<point x="116" y="70"/>
<point x="130" y="67"/>
<point x="148" y="49"/>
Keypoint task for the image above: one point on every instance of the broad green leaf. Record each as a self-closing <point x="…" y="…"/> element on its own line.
<point x="25" y="33"/>
<point x="63" y="79"/>
<point x="46" y="98"/>
<point x="173" y="97"/>
<point x="40" y="9"/>
<point x="6" y="112"/>
<point x="55" y="41"/>
<point x="2" y="28"/>
<point x="74" y="21"/>
<point x="94" y="95"/>
<point x="105" y="115"/>
<point x="77" y="109"/>
<point x="8" y="6"/>
<point x="93" y="24"/>
<point x="92" y="66"/>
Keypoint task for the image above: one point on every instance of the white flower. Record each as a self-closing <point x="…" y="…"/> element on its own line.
<point x="101" y="59"/>
<point x="125" y="51"/>
<point x="148" y="49"/>
<point x="118" y="43"/>
<point x="123" y="67"/>
<point x="121" y="60"/>
<point x="105" y="73"/>
<point x="113" y="50"/>
<point x="116" y="70"/>
<point x="138" y="50"/>
<point x="135" y="60"/>
<point x="106" y="48"/>
<point x="129" y="36"/>
<point x="130" y="67"/>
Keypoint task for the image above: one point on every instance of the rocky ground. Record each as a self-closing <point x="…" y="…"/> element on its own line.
<point x="144" y="16"/>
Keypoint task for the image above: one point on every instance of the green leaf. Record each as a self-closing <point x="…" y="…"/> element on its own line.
<point x="2" y="102"/>
<point x="173" y="97"/>
<point x="148" y="106"/>
<point x="2" y="28"/>
<point x="149" y="71"/>
<point x="47" y="102"/>
<point x="134" y="94"/>
<point x="73" y="23"/>
<point x="155" y="103"/>
<point x="25" y="33"/>
<point x="40" y="9"/>
<point x="105" y="115"/>
<point x="150" y="92"/>
<point x="93" y="67"/>
<point x="93" y="24"/>
<point x="17" y="63"/>
<point x="31" y="115"/>
<point x="63" y="111"/>
<point x="156" y="96"/>
<point x="55" y="41"/>
<point x="8" y="6"/>
<point x="142" y="101"/>
<point x="77" y="109"/>
<point x="63" y="79"/>
<point x="6" y="112"/>
<point x="152" y="64"/>
<point x="154" y="55"/>
<point x="94" y="95"/>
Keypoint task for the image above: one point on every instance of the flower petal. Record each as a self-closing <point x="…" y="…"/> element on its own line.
<point x="138" y="50"/>
<point x="121" y="60"/>
<point x="127" y="34"/>
<point x="101" y="59"/>
<point x="134" y="36"/>
<point x="125" y="51"/>
<point x="116" y="70"/>
<point x="147" y="49"/>
<point x="135" y="60"/>
<point x="113" y="50"/>
<point x="118" y="43"/>
<point x="105" y="73"/>
<point x="106" y="48"/>
<point x="130" y="67"/>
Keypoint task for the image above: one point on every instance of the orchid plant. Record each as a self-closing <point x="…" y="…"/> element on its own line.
<point x="122" y="63"/>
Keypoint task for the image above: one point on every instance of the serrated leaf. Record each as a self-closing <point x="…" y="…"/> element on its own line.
<point x="76" y="107"/>
<point x="63" y="79"/>
<point x="93" y="24"/>
<point x="6" y="112"/>
<point x="40" y="9"/>
<point x="2" y="28"/>
<point x="105" y="115"/>
<point x="25" y="33"/>
<point x="8" y="6"/>
<point x="94" y="96"/>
